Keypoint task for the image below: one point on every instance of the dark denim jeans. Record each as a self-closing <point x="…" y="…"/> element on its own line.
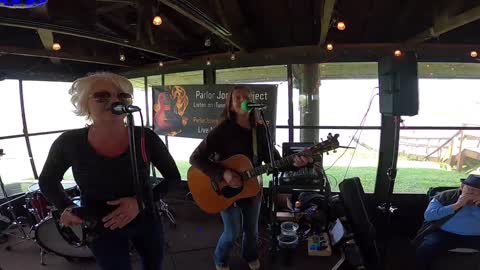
<point x="238" y="219"/>
<point x="111" y="248"/>
<point x="439" y="242"/>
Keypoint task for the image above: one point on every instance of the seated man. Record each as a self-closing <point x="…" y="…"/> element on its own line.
<point x="457" y="213"/>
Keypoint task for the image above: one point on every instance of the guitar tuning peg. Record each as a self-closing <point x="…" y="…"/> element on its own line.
<point x="334" y="151"/>
<point x="327" y="153"/>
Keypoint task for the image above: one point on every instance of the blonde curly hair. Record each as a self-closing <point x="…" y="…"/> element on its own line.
<point x="81" y="88"/>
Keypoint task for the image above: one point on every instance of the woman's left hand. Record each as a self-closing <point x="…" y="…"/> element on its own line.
<point x="301" y="161"/>
<point x="127" y="210"/>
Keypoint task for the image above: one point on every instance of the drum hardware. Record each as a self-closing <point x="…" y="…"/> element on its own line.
<point x="15" y="222"/>
<point x="39" y="206"/>
<point x="46" y="231"/>
<point x="164" y="210"/>
<point x="51" y="240"/>
<point x="69" y="242"/>
<point x="41" y="209"/>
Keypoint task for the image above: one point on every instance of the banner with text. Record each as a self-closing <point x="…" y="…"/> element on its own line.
<point x="193" y="110"/>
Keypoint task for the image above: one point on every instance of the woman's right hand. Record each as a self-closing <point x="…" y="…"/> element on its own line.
<point x="68" y="218"/>
<point x="232" y="178"/>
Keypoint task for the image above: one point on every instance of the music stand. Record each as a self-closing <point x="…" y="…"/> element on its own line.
<point x="24" y="236"/>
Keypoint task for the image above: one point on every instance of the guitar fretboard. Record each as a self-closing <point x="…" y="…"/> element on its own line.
<point x="330" y="144"/>
<point x="277" y="164"/>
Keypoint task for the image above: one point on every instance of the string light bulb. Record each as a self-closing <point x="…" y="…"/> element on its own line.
<point x="329" y="46"/>
<point x="473" y="54"/>
<point x="341" y="26"/>
<point x="157" y="20"/>
<point x="208" y="62"/>
<point x="122" y="57"/>
<point x="397" y="53"/>
<point x="56" y="46"/>
<point x="232" y="56"/>
<point x="208" y="42"/>
<point x="160" y="64"/>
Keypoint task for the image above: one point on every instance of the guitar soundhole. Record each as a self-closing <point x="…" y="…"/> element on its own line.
<point x="229" y="192"/>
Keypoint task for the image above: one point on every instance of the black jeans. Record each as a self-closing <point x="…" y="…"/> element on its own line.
<point x="112" y="247"/>
<point x="439" y="242"/>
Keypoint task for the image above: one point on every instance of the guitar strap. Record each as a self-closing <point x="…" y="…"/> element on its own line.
<point x="255" y="148"/>
<point x="255" y="153"/>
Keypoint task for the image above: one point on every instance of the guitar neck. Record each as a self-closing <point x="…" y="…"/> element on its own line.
<point x="330" y="144"/>
<point x="277" y="164"/>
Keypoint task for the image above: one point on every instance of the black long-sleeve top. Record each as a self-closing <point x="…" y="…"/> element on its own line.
<point x="226" y="140"/>
<point x="101" y="178"/>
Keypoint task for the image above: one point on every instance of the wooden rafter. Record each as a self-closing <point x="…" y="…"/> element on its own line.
<point x="59" y="55"/>
<point x="327" y="12"/>
<point x="46" y="37"/>
<point x="196" y="15"/>
<point x="82" y="34"/>
<point x="446" y="25"/>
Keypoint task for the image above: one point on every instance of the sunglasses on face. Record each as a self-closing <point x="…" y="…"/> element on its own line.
<point x="105" y="96"/>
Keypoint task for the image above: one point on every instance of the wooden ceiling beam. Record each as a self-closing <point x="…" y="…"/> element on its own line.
<point x="404" y="13"/>
<point x="172" y="25"/>
<point x="446" y="25"/>
<point x="82" y="34"/>
<point x="196" y="15"/>
<point x="147" y="15"/>
<point x="327" y="11"/>
<point x="110" y="8"/>
<point x="127" y="2"/>
<point x="112" y="25"/>
<point x="47" y="40"/>
<point x="232" y="18"/>
<point x="367" y="52"/>
<point x="9" y="50"/>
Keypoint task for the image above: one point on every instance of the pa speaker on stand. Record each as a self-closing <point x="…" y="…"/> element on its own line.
<point x="398" y="78"/>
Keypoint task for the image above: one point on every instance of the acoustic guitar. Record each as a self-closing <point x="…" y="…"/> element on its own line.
<point x="213" y="197"/>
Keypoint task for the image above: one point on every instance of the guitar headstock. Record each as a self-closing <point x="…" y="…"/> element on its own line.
<point x="331" y="143"/>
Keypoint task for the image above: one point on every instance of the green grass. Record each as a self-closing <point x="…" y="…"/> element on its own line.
<point x="409" y="180"/>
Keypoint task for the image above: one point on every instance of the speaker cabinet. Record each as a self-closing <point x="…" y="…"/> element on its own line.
<point x="398" y="78"/>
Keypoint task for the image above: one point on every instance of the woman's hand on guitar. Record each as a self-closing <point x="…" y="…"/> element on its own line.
<point x="301" y="161"/>
<point x="127" y="210"/>
<point x="232" y="178"/>
<point x="68" y="218"/>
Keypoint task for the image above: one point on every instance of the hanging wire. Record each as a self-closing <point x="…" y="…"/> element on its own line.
<point x="362" y="123"/>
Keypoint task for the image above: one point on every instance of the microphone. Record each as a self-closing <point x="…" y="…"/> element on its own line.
<point x="247" y="105"/>
<point x="120" y="108"/>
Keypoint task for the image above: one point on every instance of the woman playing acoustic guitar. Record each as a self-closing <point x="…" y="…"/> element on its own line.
<point x="231" y="137"/>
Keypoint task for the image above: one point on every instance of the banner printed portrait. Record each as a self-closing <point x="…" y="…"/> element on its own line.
<point x="193" y="110"/>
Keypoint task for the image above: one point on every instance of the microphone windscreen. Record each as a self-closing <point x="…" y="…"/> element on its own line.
<point x="117" y="108"/>
<point x="244" y="106"/>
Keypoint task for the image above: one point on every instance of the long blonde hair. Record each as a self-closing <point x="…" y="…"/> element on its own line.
<point x="228" y="114"/>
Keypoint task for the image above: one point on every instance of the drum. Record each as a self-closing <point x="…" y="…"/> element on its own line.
<point x="38" y="204"/>
<point x="48" y="236"/>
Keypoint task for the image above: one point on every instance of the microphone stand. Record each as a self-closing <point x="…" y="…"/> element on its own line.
<point x="139" y="186"/>
<point x="274" y="186"/>
<point x="387" y="208"/>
